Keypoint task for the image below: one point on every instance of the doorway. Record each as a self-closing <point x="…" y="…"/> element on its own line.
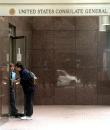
<point x="17" y="54"/>
<point x="17" y="46"/>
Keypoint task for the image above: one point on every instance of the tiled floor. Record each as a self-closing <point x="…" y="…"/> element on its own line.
<point x="3" y="120"/>
<point x="69" y="117"/>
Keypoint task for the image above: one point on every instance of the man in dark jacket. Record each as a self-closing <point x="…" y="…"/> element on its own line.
<point x="27" y="82"/>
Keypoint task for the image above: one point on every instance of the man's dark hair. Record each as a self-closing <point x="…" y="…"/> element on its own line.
<point x="20" y="65"/>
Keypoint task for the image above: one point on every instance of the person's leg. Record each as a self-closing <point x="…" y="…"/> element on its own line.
<point x="29" y="104"/>
<point x="24" y="104"/>
<point x="13" y="109"/>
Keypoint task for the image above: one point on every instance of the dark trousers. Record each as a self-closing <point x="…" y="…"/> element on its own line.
<point x="13" y="109"/>
<point x="28" y="105"/>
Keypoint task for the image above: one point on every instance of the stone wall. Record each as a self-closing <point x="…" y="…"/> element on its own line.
<point x="75" y="45"/>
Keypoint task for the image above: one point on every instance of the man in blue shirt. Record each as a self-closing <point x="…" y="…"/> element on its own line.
<point x="13" y="109"/>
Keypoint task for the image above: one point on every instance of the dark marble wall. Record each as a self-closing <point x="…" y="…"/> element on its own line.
<point x="4" y="50"/>
<point x="71" y="46"/>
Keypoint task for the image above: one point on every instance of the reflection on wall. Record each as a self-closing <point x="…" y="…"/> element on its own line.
<point x="106" y="57"/>
<point x="65" y="79"/>
<point x="64" y="56"/>
<point x="105" y="60"/>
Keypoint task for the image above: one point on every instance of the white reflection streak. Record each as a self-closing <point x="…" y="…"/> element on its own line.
<point x="104" y="61"/>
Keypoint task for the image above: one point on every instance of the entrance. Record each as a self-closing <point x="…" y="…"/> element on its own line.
<point x="17" y="54"/>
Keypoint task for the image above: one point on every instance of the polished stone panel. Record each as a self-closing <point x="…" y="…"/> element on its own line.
<point x="65" y="95"/>
<point x="64" y="23"/>
<point x="86" y="23"/>
<point x="39" y="24"/>
<point x="76" y="49"/>
<point x="64" y="40"/>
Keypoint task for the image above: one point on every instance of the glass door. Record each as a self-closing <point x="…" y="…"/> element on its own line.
<point x="18" y="49"/>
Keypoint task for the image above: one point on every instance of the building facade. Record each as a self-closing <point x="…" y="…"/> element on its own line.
<point x="69" y="55"/>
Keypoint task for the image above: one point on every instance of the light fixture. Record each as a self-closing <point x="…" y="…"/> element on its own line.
<point x="105" y="20"/>
<point x="102" y="27"/>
